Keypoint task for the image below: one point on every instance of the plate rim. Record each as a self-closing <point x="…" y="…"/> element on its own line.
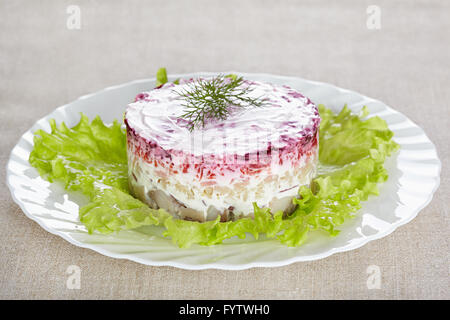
<point x="217" y="265"/>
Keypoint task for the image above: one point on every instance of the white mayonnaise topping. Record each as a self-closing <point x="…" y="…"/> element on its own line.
<point x="286" y="115"/>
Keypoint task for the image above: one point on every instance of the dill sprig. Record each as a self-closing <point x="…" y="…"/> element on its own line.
<point x="215" y="99"/>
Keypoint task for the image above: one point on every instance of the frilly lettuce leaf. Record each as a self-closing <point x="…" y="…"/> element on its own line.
<point x="91" y="158"/>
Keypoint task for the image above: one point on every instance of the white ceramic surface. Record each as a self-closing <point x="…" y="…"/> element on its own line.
<point x="413" y="178"/>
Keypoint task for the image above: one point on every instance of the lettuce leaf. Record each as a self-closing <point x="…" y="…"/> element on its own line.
<point x="91" y="158"/>
<point x="161" y="76"/>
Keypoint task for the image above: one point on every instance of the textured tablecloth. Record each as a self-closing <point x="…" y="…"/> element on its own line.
<point x="404" y="63"/>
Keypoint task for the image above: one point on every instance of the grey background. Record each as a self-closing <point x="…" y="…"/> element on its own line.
<point x="405" y="64"/>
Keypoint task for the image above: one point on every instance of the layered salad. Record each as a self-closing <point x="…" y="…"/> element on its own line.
<point x="257" y="154"/>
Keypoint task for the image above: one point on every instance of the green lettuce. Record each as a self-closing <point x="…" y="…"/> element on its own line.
<point x="161" y="76"/>
<point x="91" y="158"/>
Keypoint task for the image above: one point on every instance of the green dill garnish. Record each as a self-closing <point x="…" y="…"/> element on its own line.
<point x="215" y="99"/>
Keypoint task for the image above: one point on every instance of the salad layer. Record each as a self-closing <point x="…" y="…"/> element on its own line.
<point x="285" y="121"/>
<point x="231" y="197"/>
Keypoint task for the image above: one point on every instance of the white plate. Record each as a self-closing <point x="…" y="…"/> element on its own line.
<point x="413" y="178"/>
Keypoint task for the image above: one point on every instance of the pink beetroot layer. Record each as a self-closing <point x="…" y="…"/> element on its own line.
<point x="208" y="166"/>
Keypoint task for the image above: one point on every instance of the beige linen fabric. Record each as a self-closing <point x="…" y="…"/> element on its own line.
<point x="405" y="63"/>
